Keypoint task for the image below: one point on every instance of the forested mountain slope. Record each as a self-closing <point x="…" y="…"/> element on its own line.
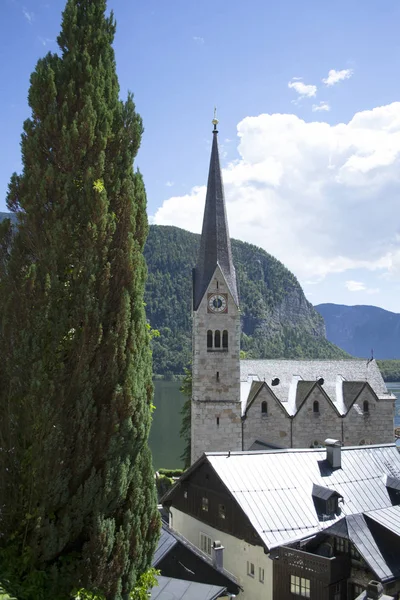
<point x="360" y="329"/>
<point x="277" y="320"/>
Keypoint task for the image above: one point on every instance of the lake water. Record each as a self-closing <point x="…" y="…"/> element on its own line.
<point x="395" y="389"/>
<point x="165" y="442"/>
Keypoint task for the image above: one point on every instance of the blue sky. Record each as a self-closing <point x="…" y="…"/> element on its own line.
<point x="320" y="196"/>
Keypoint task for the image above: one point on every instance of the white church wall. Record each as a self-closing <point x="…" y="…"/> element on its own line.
<point x="238" y="555"/>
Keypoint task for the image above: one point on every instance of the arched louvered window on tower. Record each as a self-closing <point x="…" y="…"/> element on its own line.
<point x="217" y="339"/>
<point x="264" y="408"/>
<point x="225" y="339"/>
<point x="209" y="339"/>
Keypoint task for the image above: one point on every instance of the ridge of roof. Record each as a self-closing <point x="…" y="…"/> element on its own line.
<point x="294" y="450"/>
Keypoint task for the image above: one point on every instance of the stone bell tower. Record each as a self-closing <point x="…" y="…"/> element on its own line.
<point x="216" y="409"/>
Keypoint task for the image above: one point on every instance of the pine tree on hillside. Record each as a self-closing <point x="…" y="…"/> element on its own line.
<point x="77" y="498"/>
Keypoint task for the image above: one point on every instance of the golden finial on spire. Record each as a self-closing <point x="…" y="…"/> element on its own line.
<point x="215" y="120"/>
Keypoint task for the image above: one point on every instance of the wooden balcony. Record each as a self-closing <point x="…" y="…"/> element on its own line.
<point x="311" y="566"/>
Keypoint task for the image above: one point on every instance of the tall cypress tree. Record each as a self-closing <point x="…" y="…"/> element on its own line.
<point x="77" y="499"/>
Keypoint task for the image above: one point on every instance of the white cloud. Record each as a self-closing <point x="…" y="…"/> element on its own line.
<point x="355" y="286"/>
<point x="29" y="16"/>
<point x="319" y="197"/>
<point x="304" y="90"/>
<point x="321" y="107"/>
<point x="335" y="76"/>
<point x="359" y="286"/>
<point x="199" y="40"/>
<point x="169" y="183"/>
<point x="45" y="41"/>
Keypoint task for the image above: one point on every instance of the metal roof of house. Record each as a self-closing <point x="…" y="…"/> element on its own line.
<point x="274" y="488"/>
<point x="177" y="589"/>
<point x="323" y="493"/>
<point x="215" y="244"/>
<point x="367" y="532"/>
<point x="389" y="518"/>
<point x="165" y="544"/>
<point x="343" y="381"/>
<point x="168" y="541"/>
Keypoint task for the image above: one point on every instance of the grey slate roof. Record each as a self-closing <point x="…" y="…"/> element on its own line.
<point x="343" y="380"/>
<point x="165" y="544"/>
<point x="274" y="488"/>
<point x="177" y="589"/>
<point x="215" y="244"/>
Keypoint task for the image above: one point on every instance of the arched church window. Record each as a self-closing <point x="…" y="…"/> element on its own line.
<point x="225" y="339"/>
<point x="209" y="338"/>
<point x="316" y="407"/>
<point x="264" y="408"/>
<point x="217" y="339"/>
<point x="366" y="406"/>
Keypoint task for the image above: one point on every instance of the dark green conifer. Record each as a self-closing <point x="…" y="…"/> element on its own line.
<point x="77" y="497"/>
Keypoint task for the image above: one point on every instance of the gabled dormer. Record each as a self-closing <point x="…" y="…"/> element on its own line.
<point x="326" y="502"/>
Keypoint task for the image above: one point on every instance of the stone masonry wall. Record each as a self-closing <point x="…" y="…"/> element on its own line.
<point x="272" y="428"/>
<point x="216" y="377"/>
<point x="210" y="435"/>
<point x="374" y="427"/>
<point x="310" y="427"/>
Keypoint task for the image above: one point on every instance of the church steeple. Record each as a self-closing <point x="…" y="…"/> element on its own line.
<point x="215" y="245"/>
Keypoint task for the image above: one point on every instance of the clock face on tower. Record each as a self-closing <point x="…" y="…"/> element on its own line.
<point x="217" y="303"/>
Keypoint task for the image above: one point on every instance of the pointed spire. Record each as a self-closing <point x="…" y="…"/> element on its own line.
<point x="215" y="244"/>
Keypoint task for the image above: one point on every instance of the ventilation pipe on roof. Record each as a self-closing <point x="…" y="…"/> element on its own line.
<point x="374" y="590"/>
<point x="218" y="555"/>
<point x="333" y="453"/>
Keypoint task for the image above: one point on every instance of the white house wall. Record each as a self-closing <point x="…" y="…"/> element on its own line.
<point x="237" y="553"/>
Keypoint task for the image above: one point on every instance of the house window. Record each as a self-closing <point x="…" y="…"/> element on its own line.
<point x="331" y="505"/>
<point x="205" y="543"/>
<point x="337" y="591"/>
<point x="342" y="546"/>
<point x="366" y="407"/>
<point x="225" y="339"/>
<point x="185" y="494"/>
<point x="354" y="553"/>
<point x="316" y="407"/>
<point x="250" y="569"/>
<point x="356" y="590"/>
<point x="204" y="504"/>
<point x="300" y="586"/>
<point x="209" y="338"/>
<point x="264" y="408"/>
<point x="221" y="511"/>
<point x="217" y="339"/>
<point x="261" y="575"/>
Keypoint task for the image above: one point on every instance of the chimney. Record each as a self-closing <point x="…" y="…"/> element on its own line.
<point x="218" y="554"/>
<point x="333" y="453"/>
<point x="374" y="590"/>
